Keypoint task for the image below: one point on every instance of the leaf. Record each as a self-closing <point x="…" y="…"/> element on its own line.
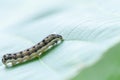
<point x="105" y="69"/>
<point x="88" y="34"/>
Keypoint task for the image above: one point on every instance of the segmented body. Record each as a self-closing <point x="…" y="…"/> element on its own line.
<point x="33" y="52"/>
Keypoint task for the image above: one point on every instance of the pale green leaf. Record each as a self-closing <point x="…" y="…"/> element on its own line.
<point x="90" y="30"/>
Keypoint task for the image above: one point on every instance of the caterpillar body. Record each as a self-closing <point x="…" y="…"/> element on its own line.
<point x="33" y="52"/>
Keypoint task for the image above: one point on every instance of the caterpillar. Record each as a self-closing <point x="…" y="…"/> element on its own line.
<point x="33" y="52"/>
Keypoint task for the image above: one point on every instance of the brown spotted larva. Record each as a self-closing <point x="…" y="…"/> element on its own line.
<point x="33" y="52"/>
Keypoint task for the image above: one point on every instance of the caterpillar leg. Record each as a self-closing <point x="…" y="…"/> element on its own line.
<point x="13" y="62"/>
<point x="19" y="60"/>
<point x="8" y="64"/>
<point x="26" y="58"/>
